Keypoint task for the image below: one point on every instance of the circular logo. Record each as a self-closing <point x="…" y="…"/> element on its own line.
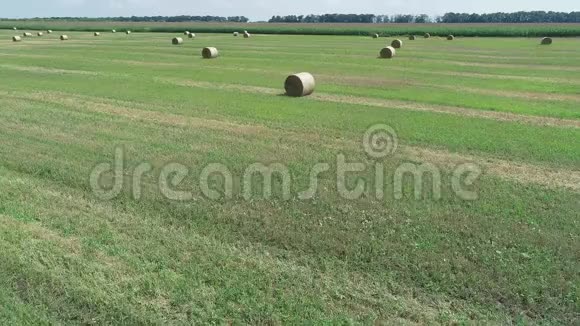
<point x="380" y="141"/>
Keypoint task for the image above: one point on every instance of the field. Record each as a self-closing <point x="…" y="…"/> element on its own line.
<point x="507" y="106"/>
<point x="469" y="30"/>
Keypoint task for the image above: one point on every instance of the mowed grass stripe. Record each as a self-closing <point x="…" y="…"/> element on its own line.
<point x="522" y="173"/>
<point x="228" y="127"/>
<point x="410" y="49"/>
<point x="466" y="112"/>
<point x="551" y="85"/>
<point x="510" y="76"/>
<point x="409" y="61"/>
<point x="532" y="69"/>
<point x="171" y="121"/>
<point x="370" y="81"/>
<point x="556" y="106"/>
<point x="437" y="63"/>
<point x="490" y="45"/>
<point x="568" y="84"/>
<point x="413" y="125"/>
<point x="355" y="50"/>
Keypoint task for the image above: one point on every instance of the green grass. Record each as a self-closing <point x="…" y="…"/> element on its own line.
<point x="508" y="257"/>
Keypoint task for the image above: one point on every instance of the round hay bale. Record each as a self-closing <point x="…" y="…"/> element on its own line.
<point x="177" y="41"/>
<point x="388" y="52"/>
<point x="247" y="35"/>
<point x="186" y="33"/>
<point x="427" y="35"/>
<point x="113" y="31"/>
<point x="97" y="34"/>
<point x="128" y="32"/>
<point x="191" y="35"/>
<point x="376" y="36"/>
<point x="301" y="84"/>
<point x="39" y="34"/>
<point x="27" y="34"/>
<point x="210" y="53"/>
<point x="14" y="28"/>
<point x="49" y="31"/>
<point x="236" y="34"/>
<point x="450" y="38"/>
<point x="411" y="37"/>
<point x="397" y="44"/>
<point x="64" y="37"/>
<point x="16" y="39"/>
<point x="546" y="41"/>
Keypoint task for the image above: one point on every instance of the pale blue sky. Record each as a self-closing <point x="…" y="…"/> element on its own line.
<point x="263" y="9"/>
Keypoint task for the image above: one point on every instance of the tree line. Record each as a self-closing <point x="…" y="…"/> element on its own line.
<point x="172" y="19"/>
<point x="350" y="18"/>
<point x="514" y="17"/>
<point x="449" y="18"/>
